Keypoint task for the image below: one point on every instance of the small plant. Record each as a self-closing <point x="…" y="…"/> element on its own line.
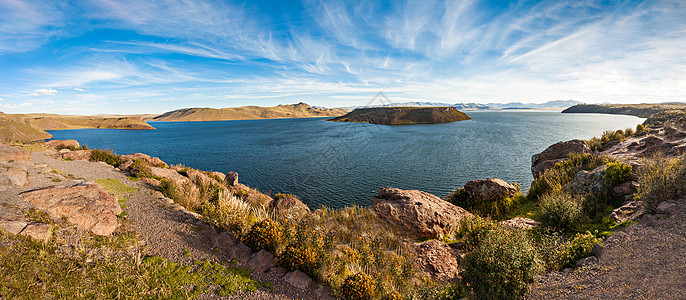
<point x="639" y="128"/>
<point x="494" y="209"/>
<point x="281" y="196"/>
<point x="617" y="173"/>
<point x="300" y="256"/>
<point x="502" y="266"/>
<point x="140" y="169"/>
<point x="560" y="210"/>
<point x="659" y="179"/>
<point x="358" y="286"/>
<point x="39" y="216"/>
<point x="106" y="156"/>
<point x="472" y="229"/>
<point x="577" y="248"/>
<point x="264" y="235"/>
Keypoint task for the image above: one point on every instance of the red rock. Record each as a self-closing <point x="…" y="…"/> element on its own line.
<point x="288" y="202"/>
<point x="298" y="279"/>
<point x="231" y="179"/>
<point x="76" y="155"/>
<point x="261" y="261"/>
<point x="437" y="259"/>
<point x="490" y="190"/>
<point x="151" y="161"/>
<point x="69" y="144"/>
<point x="14" y="154"/>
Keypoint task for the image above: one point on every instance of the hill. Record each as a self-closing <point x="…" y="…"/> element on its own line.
<point x="555" y="104"/>
<point x="403" y="115"/>
<point x="655" y="112"/>
<point x="300" y="110"/>
<point x="31" y="127"/>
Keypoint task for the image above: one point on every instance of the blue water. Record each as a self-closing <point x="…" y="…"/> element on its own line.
<point x="339" y="164"/>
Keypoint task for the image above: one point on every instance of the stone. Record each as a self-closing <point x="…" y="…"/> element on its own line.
<point x="86" y="205"/>
<point x="219" y="175"/>
<point x="239" y="253"/>
<point x="13" y="223"/>
<point x="151" y="182"/>
<point x="277" y="271"/>
<point x="648" y="220"/>
<point x="63" y="151"/>
<point x="323" y="292"/>
<point x="524" y="223"/>
<point x="224" y="240"/>
<point x="418" y="212"/>
<point x="298" y="279"/>
<point x="126" y="165"/>
<point x="631" y="211"/>
<point x="76" y="155"/>
<point x="14" y="154"/>
<point x="168" y="174"/>
<point x="13" y="174"/>
<point x="556" y="153"/>
<point x="626" y="188"/>
<point x="288" y="202"/>
<point x="490" y="190"/>
<point x="231" y="179"/>
<point x="597" y="250"/>
<point x="666" y="208"/>
<point x="200" y="178"/>
<point x="587" y="182"/>
<point x="38" y="231"/>
<point x="63" y="144"/>
<point x="261" y="261"/>
<point x="149" y="160"/>
<point x="587" y="261"/>
<point x="438" y="260"/>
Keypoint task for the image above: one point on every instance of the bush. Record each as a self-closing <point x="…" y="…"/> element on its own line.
<point x="579" y="247"/>
<point x="502" y="266"/>
<point x="617" y="173"/>
<point x="358" y="286"/>
<point x="563" y="172"/>
<point x="265" y="234"/>
<point x="106" y="156"/>
<point x="495" y="209"/>
<point x="281" y="196"/>
<point x="300" y="256"/>
<point x="560" y="210"/>
<point x="660" y="179"/>
<point x="140" y="169"/>
<point x="472" y="229"/>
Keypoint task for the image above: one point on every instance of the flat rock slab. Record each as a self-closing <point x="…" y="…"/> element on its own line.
<point x="298" y="279"/>
<point x="12" y="154"/>
<point x="37" y="231"/>
<point x="86" y="205"/>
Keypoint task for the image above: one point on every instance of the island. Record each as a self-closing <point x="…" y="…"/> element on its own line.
<point x="654" y="112"/>
<point x="403" y="115"/>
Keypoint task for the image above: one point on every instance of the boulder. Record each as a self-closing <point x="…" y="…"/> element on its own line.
<point x="200" y="178"/>
<point x="240" y="253"/>
<point x="38" y="231"/>
<point x="63" y="144"/>
<point x="219" y="175"/>
<point x="288" y="202"/>
<point x="438" y="260"/>
<point x="519" y="222"/>
<point x="125" y="166"/>
<point x="277" y="271"/>
<point x="667" y="208"/>
<point x="626" y="188"/>
<point x="587" y="182"/>
<point x="298" y="279"/>
<point x="15" y="174"/>
<point x="149" y="160"/>
<point x="14" y="154"/>
<point x="152" y="182"/>
<point x="231" y="179"/>
<point x="490" y="190"/>
<point x="631" y="211"/>
<point x="261" y="261"/>
<point x="556" y="153"/>
<point x="597" y="250"/>
<point x="224" y="240"/>
<point x="75" y="155"/>
<point x="168" y="174"/>
<point x="13" y="224"/>
<point x="418" y="212"/>
<point x="86" y="205"/>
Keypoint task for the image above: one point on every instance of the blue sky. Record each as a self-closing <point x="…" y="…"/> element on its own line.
<point x="133" y="56"/>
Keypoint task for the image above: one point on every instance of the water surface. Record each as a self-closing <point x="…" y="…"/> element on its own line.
<point x="338" y="164"/>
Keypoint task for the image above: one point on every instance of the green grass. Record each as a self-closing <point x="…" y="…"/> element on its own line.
<point x="114" y="186"/>
<point x="34" y="270"/>
<point x="39" y="216"/>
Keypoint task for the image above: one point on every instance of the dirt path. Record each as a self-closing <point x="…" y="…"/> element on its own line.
<point x="645" y="261"/>
<point x="166" y="230"/>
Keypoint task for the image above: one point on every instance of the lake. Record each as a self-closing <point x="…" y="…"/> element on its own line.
<point x="338" y="164"/>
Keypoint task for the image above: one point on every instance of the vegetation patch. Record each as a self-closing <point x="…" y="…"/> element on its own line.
<point x="660" y="178"/>
<point x="116" y="187"/>
<point x="107" y="156"/>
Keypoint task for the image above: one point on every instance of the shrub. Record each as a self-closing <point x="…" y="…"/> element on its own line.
<point x="563" y="172"/>
<point x="472" y="229"/>
<point x="300" y="256"/>
<point x="502" y="266"/>
<point x="140" y="169"/>
<point x="629" y="132"/>
<point x="106" y="156"/>
<point x="579" y="247"/>
<point x="495" y="209"/>
<point x="265" y="234"/>
<point x="660" y="179"/>
<point x="560" y="210"/>
<point x="358" y="286"/>
<point x="639" y="128"/>
<point x="617" y="173"/>
<point x="281" y="196"/>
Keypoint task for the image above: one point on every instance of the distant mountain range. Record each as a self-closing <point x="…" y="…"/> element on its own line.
<point x="555" y="104"/>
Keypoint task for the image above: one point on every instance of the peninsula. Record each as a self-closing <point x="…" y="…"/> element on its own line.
<point x="403" y="115"/>
<point x="654" y="112"/>
<point x="300" y="110"/>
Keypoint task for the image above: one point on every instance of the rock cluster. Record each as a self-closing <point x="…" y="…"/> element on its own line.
<point x="556" y="153"/>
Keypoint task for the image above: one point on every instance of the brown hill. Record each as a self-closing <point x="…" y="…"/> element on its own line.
<point x="300" y="110"/>
<point x="403" y="115"/>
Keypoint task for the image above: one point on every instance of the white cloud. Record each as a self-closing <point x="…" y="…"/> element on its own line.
<point x="44" y="92"/>
<point x="80" y="90"/>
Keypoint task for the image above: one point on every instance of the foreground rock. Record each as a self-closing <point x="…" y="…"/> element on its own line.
<point x="419" y="212"/>
<point x="438" y="260"/>
<point x="490" y="190"/>
<point x="587" y="182"/>
<point x="63" y="144"/>
<point x="87" y="206"/>
<point x="149" y="160"/>
<point x="288" y="202"/>
<point x="9" y="154"/>
<point x="631" y="211"/>
<point x="556" y="153"/>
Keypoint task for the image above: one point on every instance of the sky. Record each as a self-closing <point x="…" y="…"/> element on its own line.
<point x="133" y="56"/>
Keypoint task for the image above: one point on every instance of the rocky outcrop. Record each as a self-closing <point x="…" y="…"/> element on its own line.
<point x="14" y="174"/>
<point x="419" y="212"/>
<point x="556" y="153"/>
<point x="490" y="190"/>
<point x="288" y="202"/>
<point x="18" y="224"/>
<point x="63" y="144"/>
<point x="403" y="115"/>
<point x="149" y="160"/>
<point x="75" y="155"/>
<point x="86" y="205"/>
<point x="231" y="179"/>
<point x="587" y="182"/>
<point x="632" y="211"/>
<point x="438" y="260"/>
<point x="168" y="174"/>
<point x="10" y="154"/>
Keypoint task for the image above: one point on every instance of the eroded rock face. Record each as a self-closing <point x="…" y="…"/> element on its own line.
<point x="587" y="182"/>
<point x="631" y="211"/>
<point x="438" y="260"/>
<point x="55" y="144"/>
<point x="168" y="174"/>
<point x="86" y="205"/>
<point x="419" y="212"/>
<point x="491" y="189"/>
<point x="285" y="203"/>
<point x="556" y="153"/>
